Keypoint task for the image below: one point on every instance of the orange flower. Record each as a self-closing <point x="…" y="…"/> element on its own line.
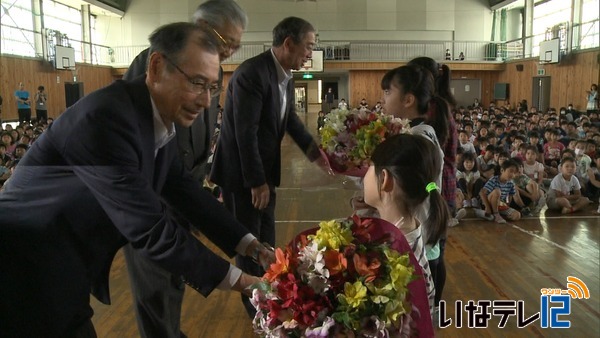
<point x="367" y="267"/>
<point x="280" y="266"/>
<point x="335" y="261"/>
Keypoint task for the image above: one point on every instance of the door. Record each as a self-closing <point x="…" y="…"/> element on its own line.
<point x="301" y="100"/>
<point x="466" y="91"/>
<point x="541" y="93"/>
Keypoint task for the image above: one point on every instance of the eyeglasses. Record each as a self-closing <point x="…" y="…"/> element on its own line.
<point x="197" y="86"/>
<point x="226" y="45"/>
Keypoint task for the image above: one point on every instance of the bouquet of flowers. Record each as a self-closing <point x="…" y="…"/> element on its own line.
<point x="352" y="278"/>
<point x="349" y="138"/>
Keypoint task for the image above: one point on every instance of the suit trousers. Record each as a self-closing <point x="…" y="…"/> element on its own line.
<point x="157" y="296"/>
<point x="261" y="224"/>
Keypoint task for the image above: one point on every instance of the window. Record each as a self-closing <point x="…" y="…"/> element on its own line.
<point x="66" y="20"/>
<point x="590" y="28"/>
<point x="17" y="27"/>
<point x="546" y="15"/>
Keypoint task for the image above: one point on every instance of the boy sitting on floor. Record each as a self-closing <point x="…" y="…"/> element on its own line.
<point x="565" y="190"/>
<point x="497" y="194"/>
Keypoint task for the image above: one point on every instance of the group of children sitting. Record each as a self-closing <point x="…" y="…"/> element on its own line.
<point x="511" y="164"/>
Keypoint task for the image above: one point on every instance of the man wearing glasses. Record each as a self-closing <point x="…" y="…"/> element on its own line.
<point x="157" y="294"/>
<point x="107" y="173"/>
<point x="259" y="110"/>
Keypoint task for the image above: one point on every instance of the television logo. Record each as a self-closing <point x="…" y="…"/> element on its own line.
<point x="555" y="302"/>
<point x="549" y="315"/>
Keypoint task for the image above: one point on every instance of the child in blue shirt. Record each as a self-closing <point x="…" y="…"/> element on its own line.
<point x="498" y="192"/>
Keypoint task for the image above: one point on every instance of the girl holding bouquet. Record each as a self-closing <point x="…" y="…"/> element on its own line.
<point x="402" y="176"/>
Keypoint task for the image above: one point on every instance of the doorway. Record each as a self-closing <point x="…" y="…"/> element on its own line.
<point x="541" y="93"/>
<point x="301" y="100"/>
<point x="466" y="91"/>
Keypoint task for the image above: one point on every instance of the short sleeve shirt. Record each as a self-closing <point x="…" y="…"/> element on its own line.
<point x="507" y="188"/>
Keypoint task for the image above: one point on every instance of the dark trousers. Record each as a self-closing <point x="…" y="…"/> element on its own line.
<point x="41" y="115"/>
<point x="261" y="224"/>
<point x="157" y="296"/>
<point x="24" y="115"/>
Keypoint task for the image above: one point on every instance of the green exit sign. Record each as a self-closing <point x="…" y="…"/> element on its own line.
<point x="307" y="76"/>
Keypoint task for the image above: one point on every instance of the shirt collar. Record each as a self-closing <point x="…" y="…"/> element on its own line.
<point x="162" y="133"/>
<point x="282" y="74"/>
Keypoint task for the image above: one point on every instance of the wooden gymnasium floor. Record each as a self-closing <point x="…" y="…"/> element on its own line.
<point x="484" y="260"/>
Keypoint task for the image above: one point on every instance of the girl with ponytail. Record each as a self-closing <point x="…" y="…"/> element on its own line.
<point x="409" y="92"/>
<point x="401" y="177"/>
<point x="441" y="75"/>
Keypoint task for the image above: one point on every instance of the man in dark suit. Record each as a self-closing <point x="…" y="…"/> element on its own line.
<point x="157" y="294"/>
<point x="105" y="173"/>
<point x="259" y="109"/>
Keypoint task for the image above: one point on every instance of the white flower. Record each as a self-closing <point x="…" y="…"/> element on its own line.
<point x="312" y="260"/>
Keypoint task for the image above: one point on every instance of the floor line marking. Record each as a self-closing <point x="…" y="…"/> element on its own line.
<point x="531" y="233"/>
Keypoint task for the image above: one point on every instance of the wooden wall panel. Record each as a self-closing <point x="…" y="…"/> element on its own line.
<point x="33" y="72"/>
<point x="367" y="84"/>
<point x="569" y="79"/>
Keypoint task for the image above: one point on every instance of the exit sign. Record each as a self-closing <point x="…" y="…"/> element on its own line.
<point x="541" y="72"/>
<point x="307" y="76"/>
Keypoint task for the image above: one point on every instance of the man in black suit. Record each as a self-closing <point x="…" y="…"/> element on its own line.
<point x="259" y="110"/>
<point x="105" y="173"/>
<point x="157" y="294"/>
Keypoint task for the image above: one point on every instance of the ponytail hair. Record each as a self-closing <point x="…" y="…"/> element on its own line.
<point x="441" y="75"/>
<point x="418" y="81"/>
<point x="439" y="118"/>
<point x="414" y="162"/>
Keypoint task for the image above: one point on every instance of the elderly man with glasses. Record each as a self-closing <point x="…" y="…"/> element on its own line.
<point x="157" y="294"/>
<point x="107" y="173"/>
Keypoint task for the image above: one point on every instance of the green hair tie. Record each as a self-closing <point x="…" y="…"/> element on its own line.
<point x="431" y="186"/>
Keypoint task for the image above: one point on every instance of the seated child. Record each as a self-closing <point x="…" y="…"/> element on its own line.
<point x="531" y="167"/>
<point x="593" y="185"/>
<point x="552" y="149"/>
<point x="498" y="192"/>
<point x="463" y="138"/>
<point x="529" y="191"/>
<point x="565" y="191"/>
<point x="469" y="181"/>
<point x="582" y="164"/>
<point x="488" y="161"/>
<point x="401" y="177"/>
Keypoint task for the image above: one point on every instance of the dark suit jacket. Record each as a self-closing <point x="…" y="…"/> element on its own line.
<point x="249" y="148"/>
<point x="88" y="185"/>
<point x="194" y="142"/>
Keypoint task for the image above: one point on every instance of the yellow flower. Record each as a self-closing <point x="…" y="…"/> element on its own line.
<point x="393" y="311"/>
<point x="354" y="294"/>
<point x="401" y="271"/>
<point x="332" y="235"/>
<point x="381" y="295"/>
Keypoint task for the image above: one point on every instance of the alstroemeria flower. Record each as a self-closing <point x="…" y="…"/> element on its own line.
<point x="335" y="262"/>
<point x="367" y="266"/>
<point x="354" y="294"/>
<point x="332" y="235"/>
<point x="311" y="260"/>
<point x="320" y="331"/>
<point x="280" y="266"/>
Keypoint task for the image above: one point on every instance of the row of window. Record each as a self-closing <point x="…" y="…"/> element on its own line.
<point x="20" y="36"/>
